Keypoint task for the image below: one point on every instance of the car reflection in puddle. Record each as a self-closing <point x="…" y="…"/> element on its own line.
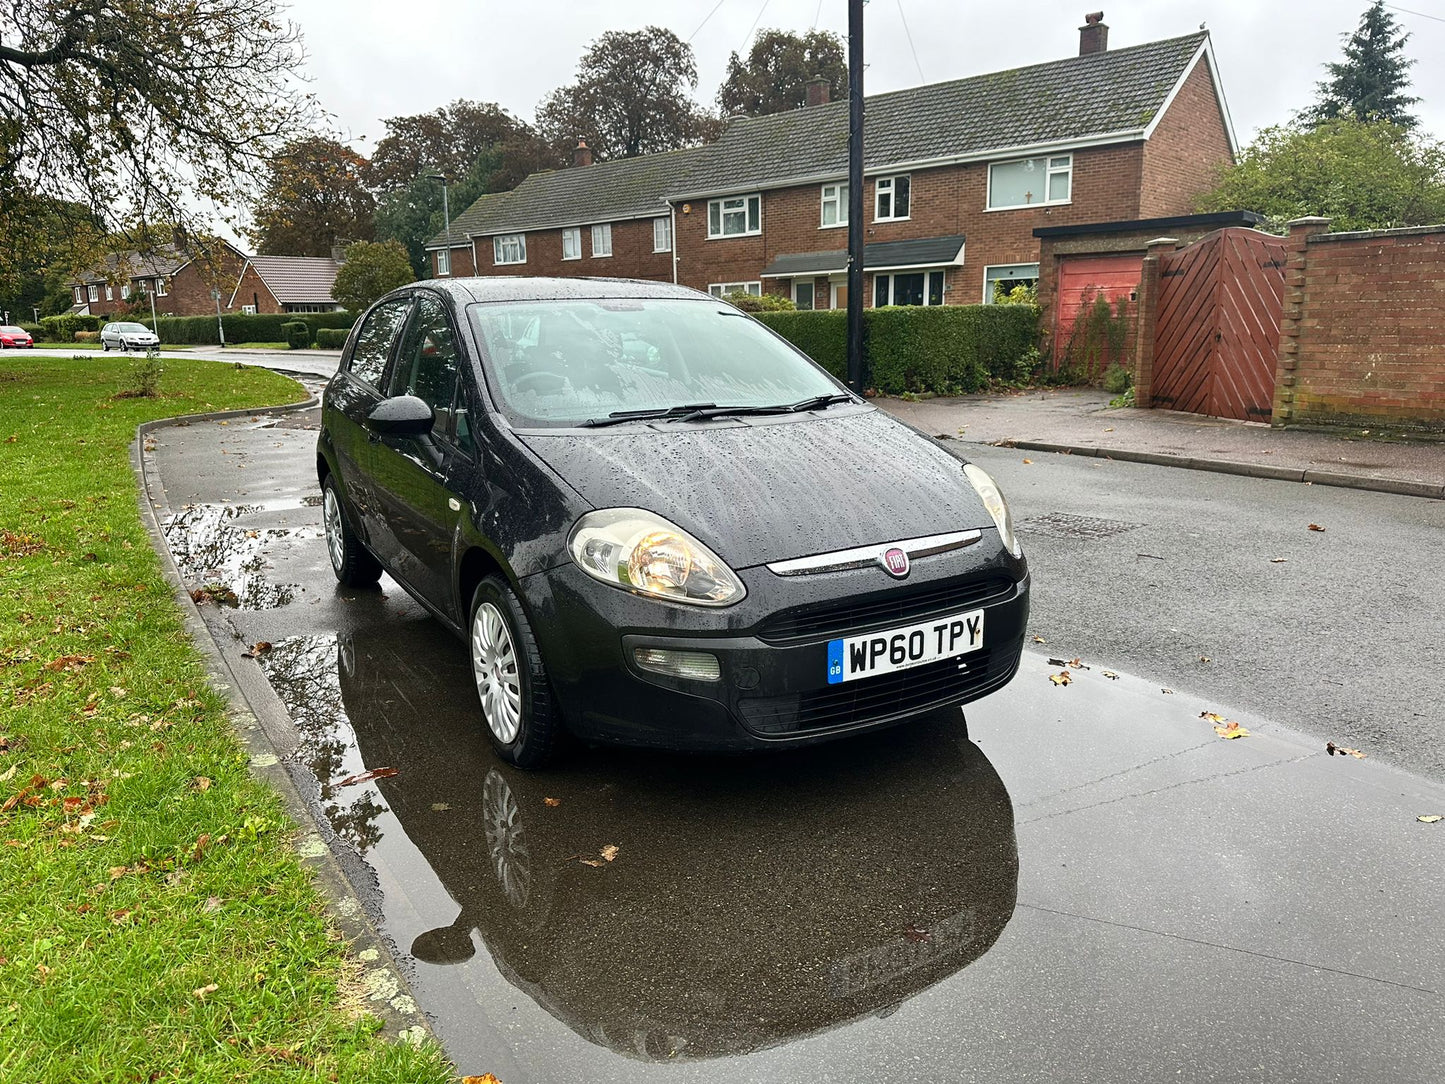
<point x="750" y="901"/>
<point x="211" y="548"/>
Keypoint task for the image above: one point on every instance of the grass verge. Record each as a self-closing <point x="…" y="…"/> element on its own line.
<point x="156" y="921"/>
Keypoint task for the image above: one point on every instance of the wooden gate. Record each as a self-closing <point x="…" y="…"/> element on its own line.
<point x="1216" y="332"/>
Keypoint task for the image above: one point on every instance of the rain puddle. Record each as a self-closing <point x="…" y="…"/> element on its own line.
<point x="213" y="550"/>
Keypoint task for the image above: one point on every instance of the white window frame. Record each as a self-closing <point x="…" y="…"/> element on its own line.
<point x="572" y="234"/>
<point x="722" y="289"/>
<point x="812" y="285"/>
<point x="892" y="192"/>
<point x="503" y="243"/>
<point x="248" y="310"/>
<point x="662" y="234"/>
<point x="92" y="292"/>
<point x="125" y="291"/>
<point x="988" y="283"/>
<point x="80" y="295"/>
<point x="924" y="271"/>
<point x="1049" y="171"/>
<point x="160" y="286"/>
<point x="444" y="262"/>
<point x="601" y="240"/>
<point x="745" y="205"/>
<point x="109" y="292"/>
<point x="837" y="195"/>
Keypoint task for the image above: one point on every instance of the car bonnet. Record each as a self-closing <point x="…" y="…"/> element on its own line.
<point x="767" y="489"/>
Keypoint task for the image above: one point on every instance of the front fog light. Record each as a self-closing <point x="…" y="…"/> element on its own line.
<point x="992" y="498"/>
<point x="695" y="665"/>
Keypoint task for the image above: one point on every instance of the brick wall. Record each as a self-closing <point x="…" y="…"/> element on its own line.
<point x="462" y="262"/>
<point x="189" y="293"/>
<point x="632" y="255"/>
<point x="1363" y="336"/>
<point x="1183" y="157"/>
<point x="252" y="290"/>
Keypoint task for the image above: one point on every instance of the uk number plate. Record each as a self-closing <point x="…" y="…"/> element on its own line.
<point x="899" y="649"/>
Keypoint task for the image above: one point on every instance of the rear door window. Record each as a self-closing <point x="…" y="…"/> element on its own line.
<point x="374" y="340"/>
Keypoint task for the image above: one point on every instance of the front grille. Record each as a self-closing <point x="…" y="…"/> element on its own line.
<point x="878" y="699"/>
<point x="865" y="613"/>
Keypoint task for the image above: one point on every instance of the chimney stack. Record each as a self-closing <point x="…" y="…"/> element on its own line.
<point x="1093" y="35"/>
<point x="820" y="91"/>
<point x="582" y="154"/>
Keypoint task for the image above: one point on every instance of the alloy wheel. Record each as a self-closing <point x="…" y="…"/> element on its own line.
<point x="494" y="666"/>
<point x="335" y="528"/>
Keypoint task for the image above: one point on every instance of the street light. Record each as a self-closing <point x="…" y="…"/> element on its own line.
<point x="220" y="327"/>
<point x="446" y="215"/>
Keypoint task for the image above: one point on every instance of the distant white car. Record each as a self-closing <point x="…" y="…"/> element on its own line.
<point x="127" y="336"/>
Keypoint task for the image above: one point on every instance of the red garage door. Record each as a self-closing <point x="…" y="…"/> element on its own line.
<point x="1083" y="277"/>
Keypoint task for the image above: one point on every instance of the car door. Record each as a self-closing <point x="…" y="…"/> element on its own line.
<point x="354" y="393"/>
<point x="409" y="474"/>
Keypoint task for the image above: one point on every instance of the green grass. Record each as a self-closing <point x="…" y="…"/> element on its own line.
<point x="139" y="861"/>
<point x="68" y="346"/>
<point x="261" y="346"/>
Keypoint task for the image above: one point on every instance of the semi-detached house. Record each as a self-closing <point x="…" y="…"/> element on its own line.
<point x="958" y="177"/>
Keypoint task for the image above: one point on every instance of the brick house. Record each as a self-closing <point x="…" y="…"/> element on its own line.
<point x="181" y="280"/>
<point x="279" y="284"/>
<point x="958" y="177"/>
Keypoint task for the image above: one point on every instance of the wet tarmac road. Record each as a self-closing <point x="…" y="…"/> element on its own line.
<point x="1089" y="886"/>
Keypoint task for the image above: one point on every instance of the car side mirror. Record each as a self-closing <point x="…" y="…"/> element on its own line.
<point x="401" y="416"/>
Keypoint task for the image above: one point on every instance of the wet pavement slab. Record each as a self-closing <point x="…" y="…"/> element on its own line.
<point x="1080" y="883"/>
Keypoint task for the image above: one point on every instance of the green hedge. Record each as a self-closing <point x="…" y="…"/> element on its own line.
<point x="243" y="327"/>
<point x="297" y="334"/>
<point x="332" y="338"/>
<point x="62" y="328"/>
<point x="947" y="349"/>
<point x="35" y="331"/>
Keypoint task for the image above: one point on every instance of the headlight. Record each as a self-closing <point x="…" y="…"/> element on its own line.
<point x="640" y="551"/>
<point x="992" y="498"/>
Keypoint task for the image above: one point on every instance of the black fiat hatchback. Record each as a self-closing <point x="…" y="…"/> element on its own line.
<point x="655" y="522"/>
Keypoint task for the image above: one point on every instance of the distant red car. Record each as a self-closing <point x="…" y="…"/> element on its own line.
<point x="11" y="335"/>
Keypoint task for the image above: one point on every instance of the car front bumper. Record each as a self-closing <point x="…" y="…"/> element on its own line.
<point x="772" y="652"/>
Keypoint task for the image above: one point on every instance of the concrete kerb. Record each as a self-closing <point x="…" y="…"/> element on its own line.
<point x="390" y="995"/>
<point x="1400" y="486"/>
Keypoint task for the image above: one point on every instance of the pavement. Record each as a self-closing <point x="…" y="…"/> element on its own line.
<point x="1079" y="421"/>
<point x="1074" y="883"/>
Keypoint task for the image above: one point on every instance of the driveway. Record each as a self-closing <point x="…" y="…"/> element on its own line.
<point x="1089" y="884"/>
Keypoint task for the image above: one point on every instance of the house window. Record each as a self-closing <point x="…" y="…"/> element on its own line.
<point x="908" y="288"/>
<point x="79" y="295"/>
<point x="1030" y="182"/>
<point x="602" y="240"/>
<point x="735" y="216"/>
<point x="109" y="292"/>
<point x="722" y="289"/>
<point x="572" y="243"/>
<point x="890" y="198"/>
<point x="835" y="205"/>
<point x="662" y="234"/>
<point x="248" y="310"/>
<point x="509" y="248"/>
<point x="999" y="279"/>
<point x="93" y="293"/>
<point x="803" y="294"/>
<point x="444" y="262"/>
<point x="125" y="291"/>
<point x="160" y="287"/>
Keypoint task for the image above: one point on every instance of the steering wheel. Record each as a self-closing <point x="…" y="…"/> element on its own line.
<point x="540" y="381"/>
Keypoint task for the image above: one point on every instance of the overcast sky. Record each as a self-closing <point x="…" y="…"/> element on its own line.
<point x="370" y="61"/>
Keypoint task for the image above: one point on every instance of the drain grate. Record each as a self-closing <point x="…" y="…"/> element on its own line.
<point x="1063" y="525"/>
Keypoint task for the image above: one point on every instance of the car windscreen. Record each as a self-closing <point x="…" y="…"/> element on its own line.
<point x="560" y="363"/>
<point x="133" y="329"/>
<point x="11" y="329"/>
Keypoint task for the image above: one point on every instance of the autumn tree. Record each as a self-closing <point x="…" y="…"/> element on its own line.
<point x="315" y="195"/>
<point x="631" y="97"/>
<point x="1362" y="175"/>
<point x="450" y="140"/>
<point x="52" y="237"/>
<point x="1370" y="83"/>
<point x="141" y="110"/>
<point x="777" y="71"/>
<point x="414" y="215"/>
<point x="372" y="268"/>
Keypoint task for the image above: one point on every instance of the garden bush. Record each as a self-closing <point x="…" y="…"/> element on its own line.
<point x="35" y="331"/>
<point x="943" y="349"/>
<point x="87" y="336"/>
<point x="297" y="334"/>
<point x="243" y="327"/>
<point x="331" y="338"/>
<point x="60" y="329"/>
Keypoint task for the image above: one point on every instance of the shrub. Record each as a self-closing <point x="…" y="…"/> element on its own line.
<point x="759" y="302"/>
<point x="297" y="334"/>
<point x="943" y="349"/>
<point x="60" y="328"/>
<point x="86" y="336"/>
<point x="35" y="331"/>
<point x="1100" y="338"/>
<point x="332" y="338"/>
<point x="243" y="327"/>
<point x="1117" y="379"/>
<point x="372" y="268"/>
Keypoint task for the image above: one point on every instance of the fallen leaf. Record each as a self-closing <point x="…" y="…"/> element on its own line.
<point x="609" y="852"/>
<point x="9" y="774"/>
<point x="1233" y="730"/>
<point x="1076" y="664"/>
<point x="202" y="842"/>
<point x="1276" y="560"/>
<point x="485" y="1078"/>
<point x="1343" y="750"/>
<point x="1110" y="675"/>
<point x="259" y="648"/>
<point x="441" y="807"/>
<point x="1028" y="460"/>
<point x="1316" y="527"/>
<point x="201" y="783"/>
<point x="916" y="935"/>
<point x="1430" y="818"/>
<point x="590" y="862"/>
<point x="210" y="987"/>
<point x="1213" y="717"/>
<point x="212" y="904"/>
<point x="1040" y="640"/>
<point x="1167" y="692"/>
<point x="1061" y="678"/>
<point x="553" y="802"/>
<point x="366" y="777"/>
<point x="1205" y="658"/>
<point x="1109" y="430"/>
<point x="71" y="663"/>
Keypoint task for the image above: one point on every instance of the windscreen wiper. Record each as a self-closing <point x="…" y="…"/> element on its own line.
<point x="617" y="417"/>
<point x="816" y="402"/>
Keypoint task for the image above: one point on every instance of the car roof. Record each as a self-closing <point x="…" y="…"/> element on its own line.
<point x="517" y="288"/>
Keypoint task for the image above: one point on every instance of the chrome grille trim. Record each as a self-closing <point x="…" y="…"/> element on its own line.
<point x="864" y="556"/>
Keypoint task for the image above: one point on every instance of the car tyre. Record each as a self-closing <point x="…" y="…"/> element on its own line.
<point x="350" y="560"/>
<point x="511" y="681"/>
<point x="104" y="347"/>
